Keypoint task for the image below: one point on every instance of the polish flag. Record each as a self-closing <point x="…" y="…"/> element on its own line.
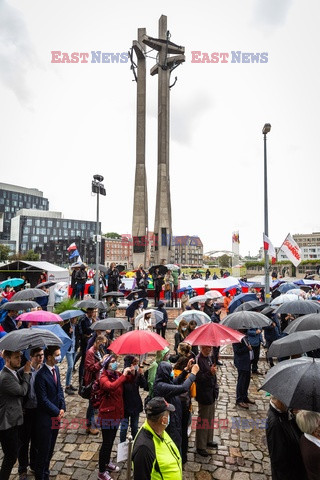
<point x="73" y="246"/>
<point x="291" y="250"/>
<point x="267" y="245"/>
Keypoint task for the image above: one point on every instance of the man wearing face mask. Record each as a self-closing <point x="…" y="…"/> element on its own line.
<point x="51" y="408"/>
<point x="154" y="453"/>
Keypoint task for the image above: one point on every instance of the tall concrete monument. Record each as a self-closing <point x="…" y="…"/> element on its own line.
<point x="140" y="202"/>
<point x="169" y="57"/>
<point x="163" y="68"/>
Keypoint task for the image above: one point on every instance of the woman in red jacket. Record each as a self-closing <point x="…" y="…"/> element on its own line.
<point x="111" y="411"/>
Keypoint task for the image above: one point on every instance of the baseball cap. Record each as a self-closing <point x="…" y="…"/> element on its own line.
<point x="158" y="405"/>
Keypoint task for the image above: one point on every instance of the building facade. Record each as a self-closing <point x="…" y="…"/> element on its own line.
<point x="49" y="234"/>
<point x="14" y="198"/>
<point x="119" y="250"/>
<point x="187" y="251"/>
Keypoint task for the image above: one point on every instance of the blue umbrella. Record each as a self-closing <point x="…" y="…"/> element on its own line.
<point x="134" y="305"/>
<point x="183" y="289"/>
<point x="241" y="298"/>
<point x="66" y="340"/>
<point x="232" y="287"/>
<point x="285" y="287"/>
<point x="11" y="282"/>
<point x="71" y="314"/>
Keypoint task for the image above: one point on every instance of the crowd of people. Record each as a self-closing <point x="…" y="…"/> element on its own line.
<point x="32" y="394"/>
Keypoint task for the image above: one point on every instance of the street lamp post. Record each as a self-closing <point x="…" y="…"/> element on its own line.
<point x="266" y="129"/>
<point x="99" y="189"/>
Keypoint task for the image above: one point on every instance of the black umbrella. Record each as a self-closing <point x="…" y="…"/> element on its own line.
<point x="295" y="383"/>
<point x="46" y="284"/>
<point x="26" y="338"/>
<point x="16" y="306"/>
<point x="113" y="294"/>
<point x="29" y="294"/>
<point x="268" y="310"/>
<point x="304" y="323"/>
<point x="162" y="269"/>
<point x="111" y="324"/>
<point x="246" y="320"/>
<point x="252" y="305"/>
<point x="91" y="303"/>
<point x="295" y="344"/>
<point x="141" y="294"/>
<point x="285" y="287"/>
<point x="299" y="307"/>
<point x="134" y="305"/>
<point x="120" y="268"/>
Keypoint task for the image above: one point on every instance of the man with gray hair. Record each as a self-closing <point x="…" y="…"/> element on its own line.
<point x="309" y="423"/>
<point x="283" y="437"/>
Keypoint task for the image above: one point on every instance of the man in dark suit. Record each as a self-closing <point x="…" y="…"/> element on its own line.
<point x="27" y="431"/>
<point x="242" y="362"/>
<point x="51" y="408"/>
<point x="12" y="390"/>
<point x="9" y="324"/>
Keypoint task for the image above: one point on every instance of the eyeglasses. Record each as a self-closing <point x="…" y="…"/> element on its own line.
<point x="39" y="355"/>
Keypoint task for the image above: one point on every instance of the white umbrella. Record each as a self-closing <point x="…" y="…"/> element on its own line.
<point x="197" y="315"/>
<point x="198" y="298"/>
<point x="296" y="291"/>
<point x="156" y="316"/>
<point x="172" y="266"/>
<point x="285" y="298"/>
<point x="213" y="294"/>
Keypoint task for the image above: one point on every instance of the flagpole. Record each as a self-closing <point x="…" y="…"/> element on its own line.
<point x="266" y="129"/>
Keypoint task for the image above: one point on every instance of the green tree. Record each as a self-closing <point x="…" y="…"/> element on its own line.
<point x="4" y="252"/>
<point x="29" y="255"/>
<point x="112" y="235"/>
<point x="224" y="261"/>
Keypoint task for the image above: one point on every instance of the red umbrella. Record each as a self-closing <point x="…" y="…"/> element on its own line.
<point x="138" y="342"/>
<point x="40" y="316"/>
<point x="213" y="335"/>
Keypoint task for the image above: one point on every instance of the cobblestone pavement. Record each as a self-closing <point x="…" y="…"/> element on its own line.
<point x="242" y="453"/>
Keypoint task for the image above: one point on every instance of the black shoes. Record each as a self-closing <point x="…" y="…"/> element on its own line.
<point x="69" y="391"/>
<point x="202" y="452"/>
<point x="219" y="363"/>
<point x="212" y="445"/>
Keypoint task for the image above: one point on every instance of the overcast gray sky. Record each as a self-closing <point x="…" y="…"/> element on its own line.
<point x="62" y="123"/>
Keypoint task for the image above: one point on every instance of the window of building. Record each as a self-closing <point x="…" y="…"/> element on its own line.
<point x="34" y="238"/>
<point x="45" y="239"/>
<point x="29" y="221"/>
<point x="26" y="230"/>
<point x="37" y="222"/>
<point x="49" y="223"/>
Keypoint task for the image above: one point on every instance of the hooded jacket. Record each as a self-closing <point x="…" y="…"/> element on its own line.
<point x="170" y="388"/>
<point x="152" y="370"/>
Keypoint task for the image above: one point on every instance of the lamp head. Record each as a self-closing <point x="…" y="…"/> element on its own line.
<point x="98" y="178"/>
<point x="266" y="129"/>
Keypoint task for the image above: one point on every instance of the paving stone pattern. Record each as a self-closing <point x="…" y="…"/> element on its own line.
<point x="242" y="453"/>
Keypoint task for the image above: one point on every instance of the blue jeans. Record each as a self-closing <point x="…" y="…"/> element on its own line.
<point x="90" y="416"/>
<point x="70" y="361"/>
<point x="134" y="425"/>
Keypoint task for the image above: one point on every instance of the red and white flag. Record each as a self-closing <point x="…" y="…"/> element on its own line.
<point x="267" y="245"/>
<point x="71" y="247"/>
<point x="291" y="249"/>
